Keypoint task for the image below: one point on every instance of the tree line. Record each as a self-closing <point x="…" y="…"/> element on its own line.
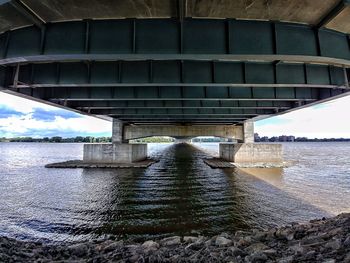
<point x="81" y="139"/>
<point x="58" y="139"/>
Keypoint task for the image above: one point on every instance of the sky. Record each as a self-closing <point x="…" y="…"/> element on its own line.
<point x="21" y="117"/>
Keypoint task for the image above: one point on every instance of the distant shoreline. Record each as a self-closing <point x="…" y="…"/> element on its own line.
<point x="62" y="142"/>
<point x="91" y="139"/>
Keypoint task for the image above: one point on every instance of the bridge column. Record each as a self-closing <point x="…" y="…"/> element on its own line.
<point x="119" y="151"/>
<point x="249" y="152"/>
<point x="248" y="132"/>
<point x="118" y="132"/>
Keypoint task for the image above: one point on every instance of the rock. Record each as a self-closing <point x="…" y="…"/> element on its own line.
<point x="325" y="241"/>
<point x="260" y="236"/>
<point x="298" y="249"/>
<point x="246" y="241"/>
<point x="311" y="254"/>
<point x="26" y="254"/>
<point x="132" y="249"/>
<point x="190" y="239"/>
<point x="347" y="258"/>
<point x="174" y="258"/>
<point x="333" y="244"/>
<point x="287" y="234"/>
<point x="78" y="250"/>
<point x="258" y="257"/>
<point x="256" y="247"/>
<point x="222" y="241"/>
<point x="335" y="231"/>
<point x="112" y="246"/>
<point x="195" y="232"/>
<point x="311" y="240"/>
<point x="225" y="235"/>
<point x="347" y="241"/>
<point x="288" y="259"/>
<point x="270" y="252"/>
<point x="134" y="258"/>
<point x="194" y="246"/>
<point x="235" y="251"/>
<point x="171" y="241"/>
<point x="271" y="233"/>
<point x="240" y="233"/>
<point x="208" y="243"/>
<point x="150" y="246"/>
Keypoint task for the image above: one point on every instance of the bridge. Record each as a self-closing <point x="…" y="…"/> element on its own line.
<point x="176" y="67"/>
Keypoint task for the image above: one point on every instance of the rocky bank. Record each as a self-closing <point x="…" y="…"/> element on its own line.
<point x="324" y="240"/>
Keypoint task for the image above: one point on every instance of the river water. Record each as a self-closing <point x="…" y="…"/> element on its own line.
<point x="177" y="195"/>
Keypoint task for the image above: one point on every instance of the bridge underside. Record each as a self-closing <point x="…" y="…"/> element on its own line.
<point x="174" y="68"/>
<point x="162" y="70"/>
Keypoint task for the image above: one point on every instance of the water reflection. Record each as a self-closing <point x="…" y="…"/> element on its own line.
<point x="174" y="196"/>
<point x="177" y="195"/>
<point x="273" y="176"/>
<point x="181" y="194"/>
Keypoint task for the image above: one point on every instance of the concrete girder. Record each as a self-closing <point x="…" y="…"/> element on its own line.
<point x="225" y="131"/>
<point x="333" y="13"/>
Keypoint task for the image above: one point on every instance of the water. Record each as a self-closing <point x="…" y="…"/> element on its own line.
<point x="174" y="196"/>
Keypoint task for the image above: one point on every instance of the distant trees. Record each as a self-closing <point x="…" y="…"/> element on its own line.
<point x="291" y="138"/>
<point x="205" y="139"/>
<point x="58" y="139"/>
<point x="91" y="139"/>
<point x="154" y="140"/>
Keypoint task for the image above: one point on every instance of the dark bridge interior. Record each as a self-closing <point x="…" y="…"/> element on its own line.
<point x="176" y="61"/>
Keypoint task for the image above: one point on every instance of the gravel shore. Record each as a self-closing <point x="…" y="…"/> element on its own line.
<point x="324" y="240"/>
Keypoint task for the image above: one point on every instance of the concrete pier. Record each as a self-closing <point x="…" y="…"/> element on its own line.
<point x="119" y="151"/>
<point x="249" y="152"/>
<point x="182" y="131"/>
<point x="114" y="152"/>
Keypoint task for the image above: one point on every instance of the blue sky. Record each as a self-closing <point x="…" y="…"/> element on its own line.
<point x="21" y="117"/>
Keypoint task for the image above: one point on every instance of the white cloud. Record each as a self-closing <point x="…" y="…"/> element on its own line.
<point x="22" y="105"/>
<point x="331" y="119"/>
<point x="18" y="125"/>
<point x="27" y="125"/>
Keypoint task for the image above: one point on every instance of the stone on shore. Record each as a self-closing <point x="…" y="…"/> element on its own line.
<point x="171" y="241"/>
<point x="325" y="240"/>
<point x="222" y="241"/>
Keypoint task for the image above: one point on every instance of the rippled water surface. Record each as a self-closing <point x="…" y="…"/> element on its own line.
<point x="174" y="196"/>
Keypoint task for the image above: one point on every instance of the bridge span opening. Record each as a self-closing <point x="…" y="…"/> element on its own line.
<point x="242" y="152"/>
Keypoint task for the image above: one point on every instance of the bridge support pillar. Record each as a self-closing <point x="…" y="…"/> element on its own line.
<point x="250" y="152"/>
<point x="119" y="151"/>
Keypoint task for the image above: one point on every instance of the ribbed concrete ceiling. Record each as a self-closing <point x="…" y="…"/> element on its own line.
<point x="300" y="11"/>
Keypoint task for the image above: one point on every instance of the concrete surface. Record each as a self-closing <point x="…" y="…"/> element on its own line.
<point x="248" y="132"/>
<point x="85" y="165"/>
<point x="302" y="11"/>
<point x="117" y="131"/>
<point x="251" y="152"/>
<point x="114" y="153"/>
<point x="177" y="131"/>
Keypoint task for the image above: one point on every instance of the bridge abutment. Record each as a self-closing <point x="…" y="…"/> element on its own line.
<point x="250" y="152"/>
<point x="119" y="151"/>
